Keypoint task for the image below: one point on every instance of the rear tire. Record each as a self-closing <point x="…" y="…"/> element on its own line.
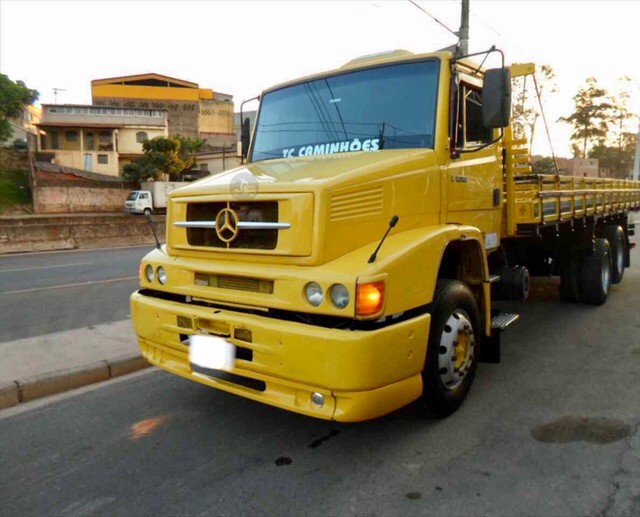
<point x="597" y="274"/>
<point x="615" y="235"/>
<point x="453" y="349"/>
<point x="570" y="279"/>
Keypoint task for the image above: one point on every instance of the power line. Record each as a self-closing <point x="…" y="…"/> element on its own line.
<point x="433" y="18"/>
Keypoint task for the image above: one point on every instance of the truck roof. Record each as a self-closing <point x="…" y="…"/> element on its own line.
<point x="394" y="56"/>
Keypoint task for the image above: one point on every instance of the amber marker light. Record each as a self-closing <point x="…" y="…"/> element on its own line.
<point x="369" y="298"/>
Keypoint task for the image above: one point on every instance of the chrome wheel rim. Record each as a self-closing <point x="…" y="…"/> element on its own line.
<point x="457" y="349"/>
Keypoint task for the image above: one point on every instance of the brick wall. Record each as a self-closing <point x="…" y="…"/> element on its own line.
<point x="55" y="193"/>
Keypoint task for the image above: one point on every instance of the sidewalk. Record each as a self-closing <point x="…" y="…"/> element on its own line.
<point x="44" y="365"/>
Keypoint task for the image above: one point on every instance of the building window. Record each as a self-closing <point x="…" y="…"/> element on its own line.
<point x="89" y="142"/>
<point x="104" y="141"/>
<point x="103" y="159"/>
<point x="71" y="135"/>
<point x="141" y="136"/>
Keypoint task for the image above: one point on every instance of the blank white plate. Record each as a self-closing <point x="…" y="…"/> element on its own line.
<point x="211" y="352"/>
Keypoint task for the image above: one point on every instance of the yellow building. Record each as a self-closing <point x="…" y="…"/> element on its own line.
<point x="95" y="138"/>
<point x="191" y="111"/>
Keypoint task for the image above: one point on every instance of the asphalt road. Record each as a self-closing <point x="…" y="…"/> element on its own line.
<point x="552" y="430"/>
<point x="50" y="292"/>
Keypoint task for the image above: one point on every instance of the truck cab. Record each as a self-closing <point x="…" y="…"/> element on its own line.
<point x="139" y="202"/>
<point x="346" y="269"/>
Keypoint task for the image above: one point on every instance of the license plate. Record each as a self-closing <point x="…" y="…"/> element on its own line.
<point x="211" y="352"/>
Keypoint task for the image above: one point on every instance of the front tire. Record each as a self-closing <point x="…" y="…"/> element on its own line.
<point x="453" y="349"/>
<point x="147" y="212"/>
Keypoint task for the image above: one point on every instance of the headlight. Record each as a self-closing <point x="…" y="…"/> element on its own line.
<point x="314" y="293"/>
<point x="162" y="275"/>
<point x="148" y="273"/>
<point x="339" y="295"/>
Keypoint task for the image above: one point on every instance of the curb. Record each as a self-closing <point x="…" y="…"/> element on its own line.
<point x="24" y="390"/>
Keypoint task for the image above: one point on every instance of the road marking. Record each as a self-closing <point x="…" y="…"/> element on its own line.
<point x="81" y="284"/>
<point x="45" y="267"/>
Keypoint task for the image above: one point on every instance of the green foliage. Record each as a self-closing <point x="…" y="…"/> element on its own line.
<point x="171" y="156"/>
<point x="13" y="98"/>
<point x="590" y="118"/>
<point x="618" y="159"/>
<point x="544" y="166"/>
<point x="14" y="188"/>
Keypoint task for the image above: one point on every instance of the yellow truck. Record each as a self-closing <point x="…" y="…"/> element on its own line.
<point x="348" y="268"/>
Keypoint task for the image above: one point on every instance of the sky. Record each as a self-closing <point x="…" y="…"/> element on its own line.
<point x="241" y="47"/>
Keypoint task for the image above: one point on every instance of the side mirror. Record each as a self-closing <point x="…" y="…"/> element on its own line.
<point x="496" y="98"/>
<point x="245" y="136"/>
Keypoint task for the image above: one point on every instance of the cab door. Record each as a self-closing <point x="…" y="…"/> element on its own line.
<point x="474" y="174"/>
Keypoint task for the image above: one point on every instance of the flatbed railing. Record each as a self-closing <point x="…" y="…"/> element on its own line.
<point x="541" y="199"/>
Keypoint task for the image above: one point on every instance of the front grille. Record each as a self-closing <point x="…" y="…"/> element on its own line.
<point x="236" y="283"/>
<point x="258" y="211"/>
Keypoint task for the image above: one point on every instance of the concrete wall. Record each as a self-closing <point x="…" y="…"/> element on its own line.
<point x="33" y="233"/>
<point x="127" y="138"/>
<point x="58" y="200"/>
<point x="216" y="117"/>
<point x="76" y="160"/>
<point x="57" y="192"/>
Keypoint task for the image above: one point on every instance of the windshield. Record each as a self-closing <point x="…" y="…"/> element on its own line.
<point x="389" y="107"/>
<point x="133" y="196"/>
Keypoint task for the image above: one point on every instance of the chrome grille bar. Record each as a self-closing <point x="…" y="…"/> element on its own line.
<point x="248" y="225"/>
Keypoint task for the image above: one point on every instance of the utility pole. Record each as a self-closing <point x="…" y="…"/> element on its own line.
<point x="636" y="161"/>
<point x="463" y="33"/>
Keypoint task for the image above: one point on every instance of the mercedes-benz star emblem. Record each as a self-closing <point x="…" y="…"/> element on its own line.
<point x="227" y="225"/>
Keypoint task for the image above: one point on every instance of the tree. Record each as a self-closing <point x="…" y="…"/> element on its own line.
<point x="526" y="108"/>
<point x="589" y="120"/>
<point x="13" y="98"/>
<point x="171" y="156"/>
<point x="544" y="165"/>
<point x="621" y="117"/>
<point x="618" y="158"/>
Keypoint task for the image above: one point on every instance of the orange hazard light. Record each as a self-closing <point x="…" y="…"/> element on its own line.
<point x="369" y="298"/>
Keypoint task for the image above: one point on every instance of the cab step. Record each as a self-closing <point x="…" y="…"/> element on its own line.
<point x="502" y="320"/>
<point x="490" y="347"/>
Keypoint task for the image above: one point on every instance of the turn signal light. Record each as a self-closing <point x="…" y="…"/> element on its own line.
<point x="369" y="298"/>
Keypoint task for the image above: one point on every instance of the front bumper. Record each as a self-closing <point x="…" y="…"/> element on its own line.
<point x="362" y="374"/>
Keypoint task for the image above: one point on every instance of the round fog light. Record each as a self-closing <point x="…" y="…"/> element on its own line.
<point x="314" y="293"/>
<point x="148" y="273"/>
<point x="162" y="275"/>
<point x="317" y="399"/>
<point x="339" y="296"/>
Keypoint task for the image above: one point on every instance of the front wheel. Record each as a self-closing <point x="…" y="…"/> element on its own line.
<point x="147" y="212"/>
<point x="453" y="349"/>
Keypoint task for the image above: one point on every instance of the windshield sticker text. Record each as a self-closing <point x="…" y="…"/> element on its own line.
<point x="372" y="144"/>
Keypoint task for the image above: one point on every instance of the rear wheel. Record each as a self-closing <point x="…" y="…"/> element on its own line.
<point x="453" y="349"/>
<point x="570" y="278"/>
<point x="597" y="274"/>
<point x="615" y="235"/>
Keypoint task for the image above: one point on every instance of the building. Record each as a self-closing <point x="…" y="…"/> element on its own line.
<point x="192" y="111"/>
<point x="24" y="126"/>
<point x="95" y="138"/>
<point x="585" y="167"/>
